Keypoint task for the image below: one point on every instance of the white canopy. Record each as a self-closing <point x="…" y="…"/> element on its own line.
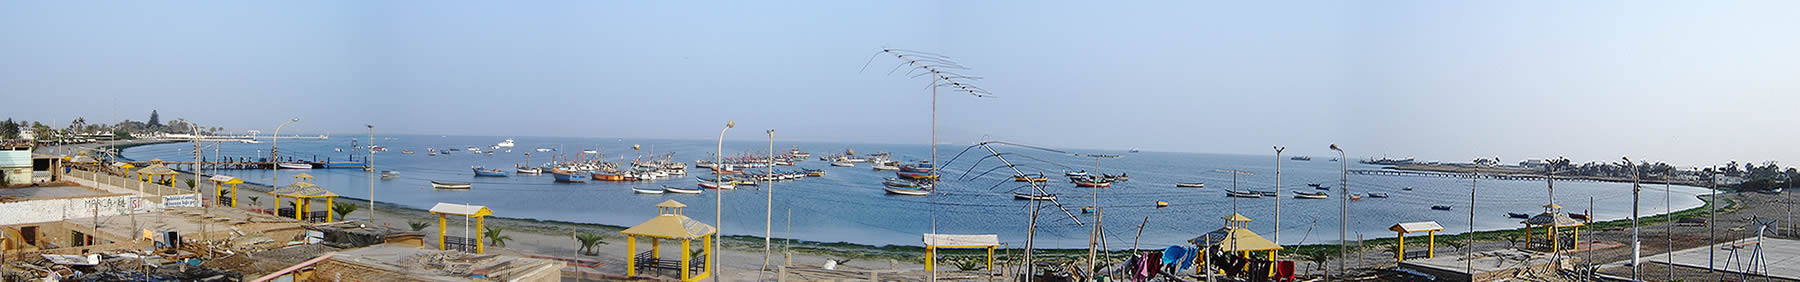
<point x="1422" y="226"/>
<point x="458" y="209"/>
<point x="222" y="178"/>
<point x="961" y="241"/>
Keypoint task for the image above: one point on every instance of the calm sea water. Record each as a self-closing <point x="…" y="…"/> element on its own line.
<point x="848" y="205"/>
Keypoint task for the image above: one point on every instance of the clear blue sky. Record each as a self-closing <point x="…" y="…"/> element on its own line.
<point x="1688" y="82"/>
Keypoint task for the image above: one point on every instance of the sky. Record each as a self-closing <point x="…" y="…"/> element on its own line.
<point x="1691" y="83"/>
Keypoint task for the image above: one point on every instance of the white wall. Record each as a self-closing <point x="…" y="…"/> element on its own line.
<point x="35" y="211"/>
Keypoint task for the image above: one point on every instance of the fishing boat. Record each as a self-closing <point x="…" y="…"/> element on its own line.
<point x="1310" y="195"/>
<point x="1517" y="215"/>
<point x="606" y="176"/>
<point x="1034" y="177"/>
<point x="1408" y="188"/>
<point x="814" y="172"/>
<point x="405" y="151"/>
<point x="1074" y="173"/>
<point x="530" y="170"/>
<point x="916" y="175"/>
<point x="907" y="191"/>
<point x="1356" y="197"/>
<point x="1089" y="209"/>
<point x="480" y="171"/>
<point x="923" y="166"/>
<point x="337" y="149"/>
<point x="1322" y="187"/>
<point x="450" y="185"/>
<point x="295" y="166"/>
<point x="543" y="149"/>
<point x="1120" y="177"/>
<point x="1300" y="158"/>
<point x="843" y="164"/>
<point x="433" y="153"/>
<point x="473" y="149"/>
<point x="641" y="190"/>
<point x="389" y="174"/>
<point x="679" y="190"/>
<point x="716" y="186"/>
<point x="1378" y="195"/>
<point x="570" y="177"/>
<point x="1313" y="185"/>
<point x="1243" y="194"/>
<point x="1264" y="193"/>
<point x="1133" y="150"/>
<point x="590" y="152"/>
<point x="902" y="183"/>
<point x="508" y="143"/>
<point x="1093" y="183"/>
<point x="1191" y="185"/>
<point x="1441" y="207"/>
<point x="884" y="167"/>
<point x="1029" y="196"/>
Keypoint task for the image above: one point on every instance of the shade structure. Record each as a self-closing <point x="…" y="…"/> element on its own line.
<point x="959" y="241"/>
<point x="303" y="191"/>
<point x="219" y="181"/>
<point x="1429" y="227"/>
<point x="480" y="214"/>
<point x="669" y="223"/>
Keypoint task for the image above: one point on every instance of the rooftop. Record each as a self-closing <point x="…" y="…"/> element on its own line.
<point x="391" y="262"/>
<point x="47" y="192"/>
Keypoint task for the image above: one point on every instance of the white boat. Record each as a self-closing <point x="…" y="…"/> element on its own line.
<point x="450" y="185"/>
<point x="1243" y="194"/>
<point x="530" y="170"/>
<point x="590" y="151"/>
<point x="295" y="166"/>
<point x="1026" y="196"/>
<point x="844" y="164"/>
<point x="679" y="190"/>
<point x="1191" y="185"/>
<point x="473" y="149"/>
<point x="907" y="191"/>
<point x="508" y="143"/>
<point x="716" y="186"/>
<point x="645" y="191"/>
<point x="885" y="167"/>
<point x="543" y="149"/>
<point x="1312" y="195"/>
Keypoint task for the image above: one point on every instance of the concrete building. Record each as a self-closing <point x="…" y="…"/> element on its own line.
<point x="15" y="165"/>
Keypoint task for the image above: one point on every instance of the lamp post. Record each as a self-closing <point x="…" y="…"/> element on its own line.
<point x="371" y="171"/>
<point x="275" y="160"/>
<point x="1343" y="212"/>
<point x="1278" y="150"/>
<point x="769" y="211"/>
<point x="718" y="203"/>
<point x="1635" y="188"/>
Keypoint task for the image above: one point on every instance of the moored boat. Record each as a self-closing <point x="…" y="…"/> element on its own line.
<point x="1093" y="183"/>
<point x="1310" y="195"/>
<point x="1243" y="194"/>
<point x="916" y="175"/>
<point x="884" y="167"/>
<point x="716" y="186"/>
<point x="907" y="191"/>
<point x="642" y="190"/>
<point x="843" y="164"/>
<point x="679" y="190"/>
<point x="1441" y="207"/>
<point x="1035" y="177"/>
<point x="1029" y="196"/>
<point x="1517" y="215"/>
<point x="389" y="174"/>
<point x="1378" y="195"/>
<point x="450" y="185"/>
<point x="1191" y="185"/>
<point x="570" y="177"/>
<point x="530" y="170"/>
<point x="295" y="166"/>
<point x="480" y="171"/>
<point x="1075" y="173"/>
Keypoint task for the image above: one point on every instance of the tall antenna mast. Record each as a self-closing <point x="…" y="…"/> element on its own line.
<point x="943" y="74"/>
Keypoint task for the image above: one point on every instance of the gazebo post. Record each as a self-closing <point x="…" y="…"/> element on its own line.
<point x="1400" y="253"/>
<point x="1527" y="235"/>
<point x="234" y="195"/>
<point x="631" y="255"/>
<point x="1550" y="233"/>
<point x="990" y="258"/>
<point x="928" y="256"/>
<point x="709" y="256"/>
<point x="328" y="206"/>
<point x="655" y="246"/>
<point x="441" y="244"/>
<point x="299" y="203"/>
<point x="1431" y="246"/>
<point x="685" y="249"/>
<point x="479" y="229"/>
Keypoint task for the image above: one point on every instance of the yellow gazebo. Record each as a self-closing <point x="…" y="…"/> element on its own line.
<point x="1555" y="223"/>
<point x="303" y="191"/>
<point x="948" y="241"/>
<point x="480" y="214"/>
<point x="219" y="181"/>
<point x="1235" y="237"/>
<point x="151" y="173"/>
<point x="669" y="224"/>
<point x="1429" y="227"/>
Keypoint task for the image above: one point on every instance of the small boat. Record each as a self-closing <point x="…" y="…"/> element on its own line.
<point x="843" y="164"/>
<point x="1191" y="185"/>
<point x="902" y="183"/>
<point x="1517" y="215"/>
<point x="295" y="166"/>
<point x="1301" y="158"/>
<point x="1441" y="207"/>
<point x="1035" y="177"/>
<point x="590" y="152"/>
<point x="1579" y="216"/>
<point x="1133" y="150"/>
<point x="479" y="171"/>
<point x="604" y="176"/>
<point x="716" y="186"/>
<point x="434" y="154"/>
<point x="1378" y="195"/>
<point x="1028" y="196"/>
<point x="1093" y="183"/>
<point x="1322" y="187"/>
<point x="884" y="167"/>
<point x="408" y="152"/>
<point x="916" y="175"/>
<point x="473" y="149"/>
<point x="450" y="185"/>
<point x="1089" y="209"/>
<point x="1075" y="173"/>
<point x="679" y="190"/>
<point x="389" y="174"/>
<point x="1120" y="177"/>
<point x="1243" y="194"/>
<point x="814" y="172"/>
<point x="508" y="143"/>
<point x="907" y="191"/>
<point x="570" y="177"/>
<point x="1311" y="195"/>
<point x="1356" y="197"/>
<point x="543" y="149"/>
<point x="530" y="170"/>
<point x="1408" y="188"/>
<point x="641" y="190"/>
<point x="923" y="166"/>
<point x="1264" y="193"/>
<point x="337" y="149"/>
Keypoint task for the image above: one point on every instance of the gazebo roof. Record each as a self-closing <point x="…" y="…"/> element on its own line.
<point x="123" y="165"/>
<point x="303" y="190"/>
<point x="1235" y="239"/>
<point x="1422" y="226"/>
<point x="671" y="224"/>
<point x="1561" y="220"/>
<point x="961" y="241"/>
<point x="303" y="175"/>
<point x="222" y="179"/>
<point x="156" y="169"/>
<point x="465" y="210"/>
<point x="1236" y="218"/>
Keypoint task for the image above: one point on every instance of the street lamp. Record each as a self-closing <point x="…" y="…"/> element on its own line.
<point x="1635" y="188"/>
<point x="1343" y="212"/>
<point x="769" y="211"/>
<point x="718" y="203"/>
<point x="371" y="170"/>
<point x="275" y="159"/>
<point x="1278" y="150"/>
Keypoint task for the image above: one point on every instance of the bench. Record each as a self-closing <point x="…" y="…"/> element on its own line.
<point x="647" y="260"/>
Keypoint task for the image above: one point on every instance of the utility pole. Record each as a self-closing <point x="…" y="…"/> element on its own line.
<point x="1636" y="188"/>
<point x="769" y="210"/>
<point x="718" y="203"/>
<point x="1278" y="150"/>
<point x="1343" y="213"/>
<point x="371" y="170"/>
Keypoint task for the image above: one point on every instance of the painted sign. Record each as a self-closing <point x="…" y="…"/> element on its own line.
<point x="186" y="201"/>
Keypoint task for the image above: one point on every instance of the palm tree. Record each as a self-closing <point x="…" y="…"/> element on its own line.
<point x="1317" y="257"/>
<point x="494" y="237"/>
<point x="417" y="225"/>
<point x="343" y="209"/>
<point x="589" y="241"/>
<point x="253" y="201"/>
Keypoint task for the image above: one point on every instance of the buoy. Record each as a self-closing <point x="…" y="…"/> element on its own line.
<point x="1087" y="209"/>
<point x="1162" y="204"/>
